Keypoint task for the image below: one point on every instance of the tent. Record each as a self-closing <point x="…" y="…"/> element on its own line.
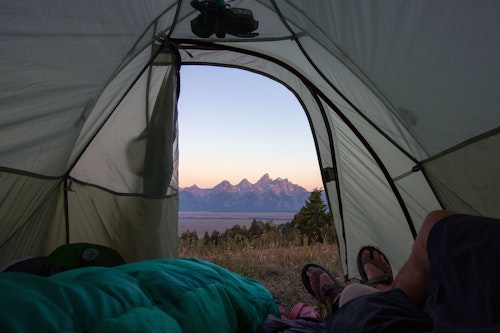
<point x="402" y="99"/>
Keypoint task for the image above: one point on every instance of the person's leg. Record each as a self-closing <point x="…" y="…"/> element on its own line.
<point x="398" y="309"/>
<point x="464" y="293"/>
<point x="413" y="278"/>
<point x="355" y="290"/>
<point x="377" y="272"/>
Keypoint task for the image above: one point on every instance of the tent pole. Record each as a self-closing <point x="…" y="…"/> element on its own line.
<point x="67" y="187"/>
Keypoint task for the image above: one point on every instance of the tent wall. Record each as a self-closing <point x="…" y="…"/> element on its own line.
<point x="31" y="215"/>
<point x="55" y="61"/>
<point x="135" y="152"/>
<point x="468" y="178"/>
<point x="81" y="83"/>
<point x="136" y="226"/>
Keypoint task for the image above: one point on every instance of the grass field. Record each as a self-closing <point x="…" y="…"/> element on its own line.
<point x="277" y="268"/>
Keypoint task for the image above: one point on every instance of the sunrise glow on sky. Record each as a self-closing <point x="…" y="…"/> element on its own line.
<point x="235" y="124"/>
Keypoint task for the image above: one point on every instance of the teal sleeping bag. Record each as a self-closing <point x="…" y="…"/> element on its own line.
<point x="167" y="295"/>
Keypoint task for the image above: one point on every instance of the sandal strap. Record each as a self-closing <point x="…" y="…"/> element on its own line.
<point x="329" y="290"/>
<point x="379" y="279"/>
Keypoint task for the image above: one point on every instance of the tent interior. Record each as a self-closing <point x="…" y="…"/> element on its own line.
<point x="402" y="98"/>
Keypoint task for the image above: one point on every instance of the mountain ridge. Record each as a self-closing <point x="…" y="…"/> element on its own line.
<point x="269" y="195"/>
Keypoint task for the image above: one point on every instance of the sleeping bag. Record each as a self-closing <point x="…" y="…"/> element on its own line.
<point x="164" y="295"/>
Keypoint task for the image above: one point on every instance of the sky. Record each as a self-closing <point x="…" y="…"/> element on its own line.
<point x="234" y="124"/>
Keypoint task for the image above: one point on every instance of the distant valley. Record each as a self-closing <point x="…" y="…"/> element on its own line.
<point x="266" y="195"/>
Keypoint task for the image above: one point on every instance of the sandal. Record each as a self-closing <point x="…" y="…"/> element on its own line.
<point x="385" y="278"/>
<point x="325" y="293"/>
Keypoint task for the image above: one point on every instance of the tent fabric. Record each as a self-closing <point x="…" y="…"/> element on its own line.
<point x="401" y="98"/>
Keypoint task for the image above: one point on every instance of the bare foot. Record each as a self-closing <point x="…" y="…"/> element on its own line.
<point x="325" y="288"/>
<point x="377" y="269"/>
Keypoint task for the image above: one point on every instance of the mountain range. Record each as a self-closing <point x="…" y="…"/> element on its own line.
<point x="266" y="195"/>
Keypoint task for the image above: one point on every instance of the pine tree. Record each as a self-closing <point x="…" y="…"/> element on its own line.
<point x="313" y="221"/>
<point x="206" y="238"/>
<point x="256" y="229"/>
<point x="215" y="237"/>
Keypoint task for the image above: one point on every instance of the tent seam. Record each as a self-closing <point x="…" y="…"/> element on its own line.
<point x="359" y="74"/>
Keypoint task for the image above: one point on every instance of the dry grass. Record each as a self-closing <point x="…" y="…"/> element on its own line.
<point x="277" y="268"/>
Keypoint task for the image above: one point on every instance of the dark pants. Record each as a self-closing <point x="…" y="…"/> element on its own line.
<point x="464" y="285"/>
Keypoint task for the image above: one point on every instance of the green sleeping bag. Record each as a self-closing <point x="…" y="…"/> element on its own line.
<point x="167" y="295"/>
